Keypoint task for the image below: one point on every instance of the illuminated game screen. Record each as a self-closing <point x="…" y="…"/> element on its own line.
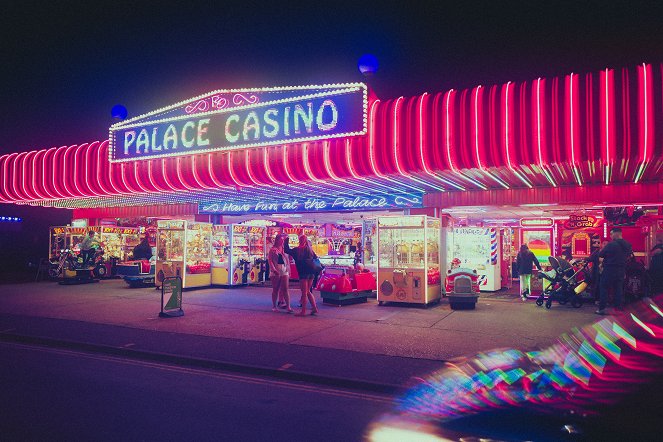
<point x="539" y="242"/>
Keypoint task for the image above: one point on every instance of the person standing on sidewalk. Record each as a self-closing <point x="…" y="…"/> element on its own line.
<point x="304" y="255"/>
<point x="279" y="270"/>
<point x="614" y="256"/>
<point x="524" y="263"/>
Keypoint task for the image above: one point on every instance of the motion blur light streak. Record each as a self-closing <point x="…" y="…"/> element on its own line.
<point x="587" y="369"/>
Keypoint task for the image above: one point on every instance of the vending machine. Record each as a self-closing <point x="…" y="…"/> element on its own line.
<point x="184" y="249"/>
<point x="408" y="259"/>
<point x="477" y="248"/>
<point x="238" y="253"/>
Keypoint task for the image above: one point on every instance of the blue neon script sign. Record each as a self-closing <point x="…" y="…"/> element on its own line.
<point x="306" y="205"/>
<point x="293" y="116"/>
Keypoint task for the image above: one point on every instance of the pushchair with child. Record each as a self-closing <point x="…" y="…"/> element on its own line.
<point x="566" y="283"/>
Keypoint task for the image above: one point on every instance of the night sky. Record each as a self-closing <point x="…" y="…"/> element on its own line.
<point x="65" y="64"/>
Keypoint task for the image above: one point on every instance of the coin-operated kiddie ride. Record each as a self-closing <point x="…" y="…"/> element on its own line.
<point x="462" y="287"/>
<point x="341" y="285"/>
<point x="138" y="273"/>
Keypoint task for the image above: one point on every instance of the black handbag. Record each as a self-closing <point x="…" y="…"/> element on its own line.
<point x="315" y="265"/>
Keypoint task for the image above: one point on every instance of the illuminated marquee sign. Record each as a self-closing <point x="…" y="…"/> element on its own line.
<point x="536" y="222"/>
<point x="120" y="230"/>
<point x="243" y="119"/>
<point x="581" y="222"/>
<point x="170" y="224"/>
<point x="338" y="204"/>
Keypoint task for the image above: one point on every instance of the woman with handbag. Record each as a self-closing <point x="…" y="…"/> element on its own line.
<point x="279" y="273"/>
<point x="306" y="262"/>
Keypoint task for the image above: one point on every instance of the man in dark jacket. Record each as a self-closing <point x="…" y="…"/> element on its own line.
<point x="143" y="250"/>
<point x="613" y="256"/>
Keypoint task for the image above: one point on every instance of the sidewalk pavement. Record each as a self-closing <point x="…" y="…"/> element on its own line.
<point x="383" y="344"/>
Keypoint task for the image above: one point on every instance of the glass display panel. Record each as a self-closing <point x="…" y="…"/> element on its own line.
<point x="240" y="249"/>
<point x="198" y="248"/>
<point x="58" y="241"/>
<point x="370" y="237"/>
<point x="433" y="240"/>
<point x="170" y="245"/>
<point x="256" y="244"/>
<point x="112" y="244"/>
<point x="401" y="248"/>
<point x="220" y="246"/>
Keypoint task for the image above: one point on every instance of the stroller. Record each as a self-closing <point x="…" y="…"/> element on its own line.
<point x="567" y="283"/>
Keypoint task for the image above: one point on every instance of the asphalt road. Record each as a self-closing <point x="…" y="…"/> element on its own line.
<point x="60" y="394"/>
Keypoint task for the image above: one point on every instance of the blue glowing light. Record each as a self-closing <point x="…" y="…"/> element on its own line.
<point x="119" y="112"/>
<point x="368" y="64"/>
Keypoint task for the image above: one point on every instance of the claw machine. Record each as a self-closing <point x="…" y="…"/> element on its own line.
<point x="408" y="259"/>
<point x="220" y="254"/>
<point x="130" y="239"/>
<point x="111" y="241"/>
<point x="369" y="243"/>
<point x="238" y="254"/>
<point x="184" y="249"/>
<point x="477" y="248"/>
<point x="57" y="240"/>
<point x="75" y="236"/>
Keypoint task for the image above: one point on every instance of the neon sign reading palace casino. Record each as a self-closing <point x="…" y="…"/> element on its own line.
<point x="245" y="118"/>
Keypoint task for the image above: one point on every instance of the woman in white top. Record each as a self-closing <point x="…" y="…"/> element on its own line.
<point x="279" y="273"/>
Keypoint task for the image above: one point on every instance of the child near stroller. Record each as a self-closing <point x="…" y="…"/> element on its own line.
<point x="566" y="283"/>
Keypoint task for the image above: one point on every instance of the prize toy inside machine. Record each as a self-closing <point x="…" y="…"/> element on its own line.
<point x="58" y="241"/>
<point x="220" y="254"/>
<point x="538" y="235"/>
<point x="197" y="255"/>
<point x="247" y="254"/>
<point x="170" y="249"/>
<point x="408" y="259"/>
<point x="477" y="248"/>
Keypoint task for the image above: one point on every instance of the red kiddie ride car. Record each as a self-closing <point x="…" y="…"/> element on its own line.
<point x="342" y="285"/>
<point x="462" y="288"/>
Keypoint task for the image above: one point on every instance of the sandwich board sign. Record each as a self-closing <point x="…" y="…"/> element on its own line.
<point x="171" y="297"/>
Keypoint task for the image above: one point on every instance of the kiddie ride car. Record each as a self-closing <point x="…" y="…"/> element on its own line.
<point x="137" y="273"/>
<point x="341" y="285"/>
<point x="462" y="288"/>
